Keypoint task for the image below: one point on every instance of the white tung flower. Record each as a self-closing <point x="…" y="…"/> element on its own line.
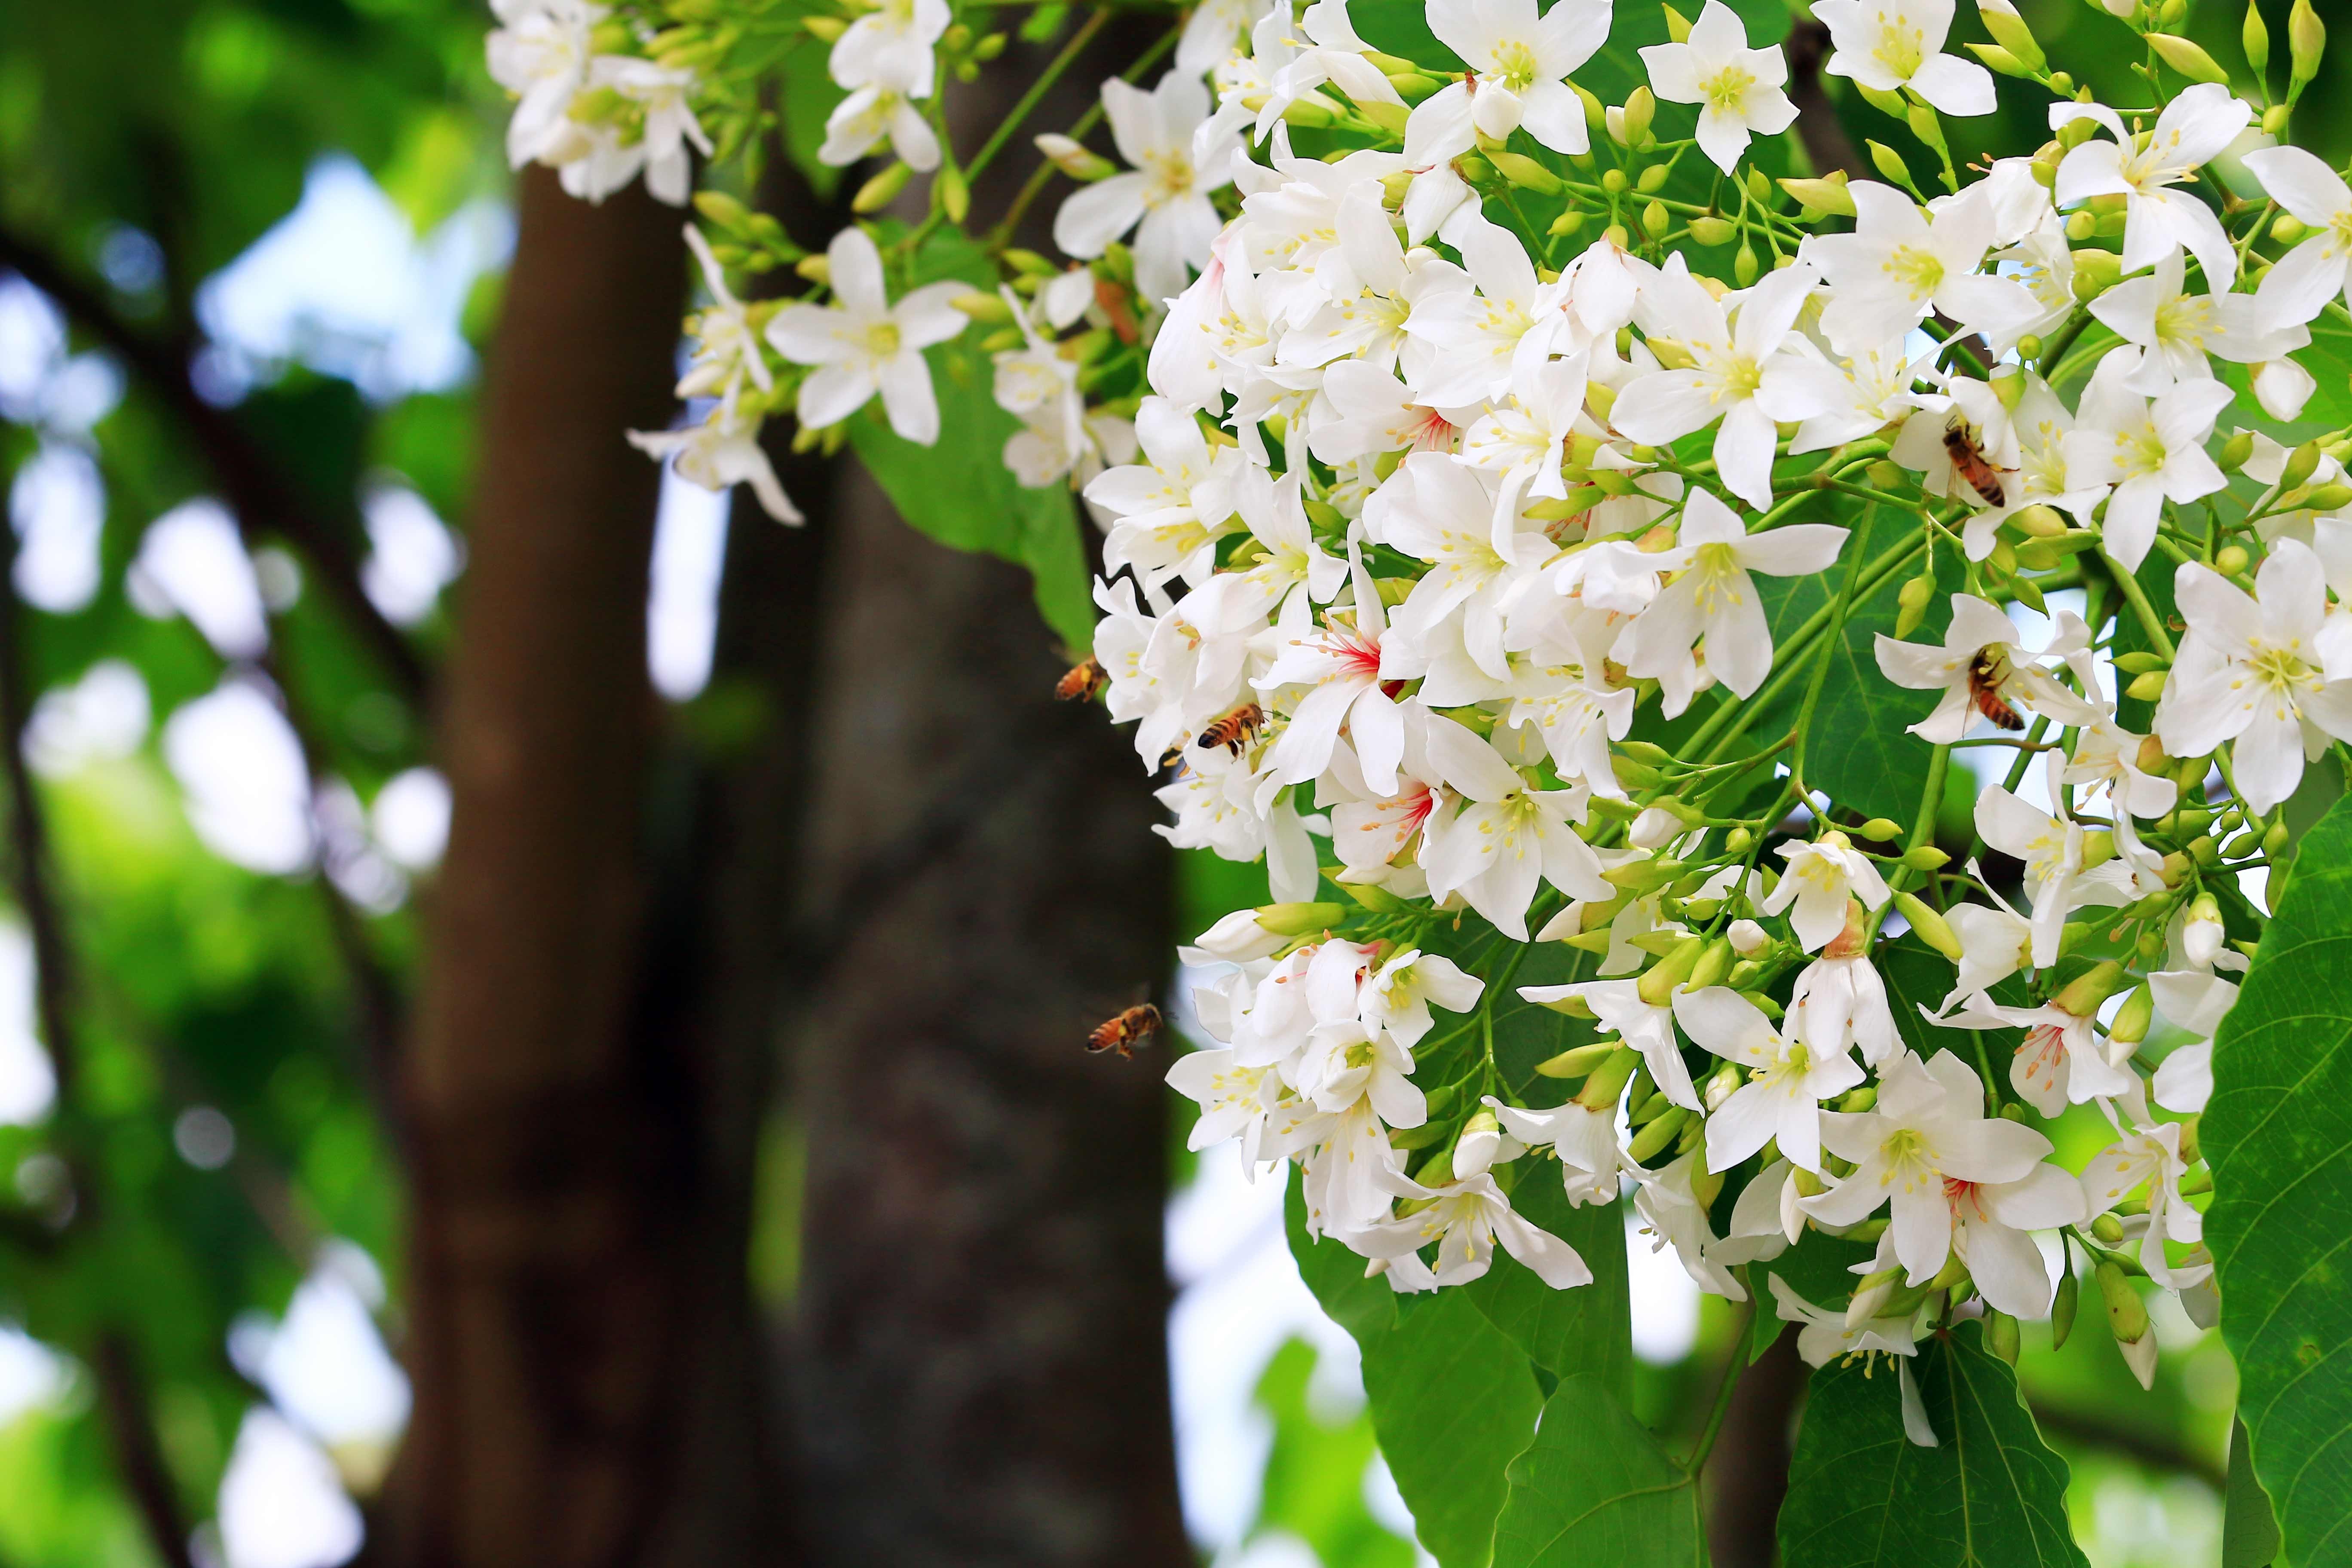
<point x="2250" y="671"/>
<point x="863" y="343"/>
<point x="1738" y="89"/>
<point x="1517" y="63"/>
<point x="1172" y="167"/>
<point x="1890" y="45"/>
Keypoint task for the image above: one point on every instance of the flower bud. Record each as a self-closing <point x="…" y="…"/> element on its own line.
<point x="2185" y="57"/>
<point x="2307" y="39"/>
<point x="826" y="30"/>
<point x="1871" y="1295"/>
<point x="1654" y="829"/>
<point x="2109" y="1229"/>
<point x="1641" y="107"/>
<point x="1653" y="179"/>
<point x="1238" y="938"/>
<point x="1566" y="225"/>
<point x="1678" y="24"/>
<point x="1881" y="830"/>
<point x="1609" y="1080"/>
<point x="1711" y="229"/>
<point x="1301" y="919"/>
<point x="2301" y="464"/>
<point x="2062" y="1305"/>
<point x="2255" y="39"/>
<point x="1722" y="1084"/>
<point x="2329" y="497"/>
<point x="1889" y="163"/>
<point x="1829" y="197"/>
<point x="2127" y="1313"/>
<point x="1656" y="1134"/>
<point x="1578" y="1062"/>
<point x="2098" y="847"/>
<point x="1656" y="220"/>
<point x="1595" y="117"/>
<point x="2202" y="932"/>
<point x="1525" y="172"/>
<point x="2010" y="31"/>
<point x="2146" y="687"/>
<point x="1662" y="979"/>
<point x="1744" y="265"/>
<point x="2083" y="995"/>
<point x="1475" y="1151"/>
<point x="1931" y="927"/>
<point x="2001" y="1336"/>
<point x="1713" y="964"/>
<point x="955" y="195"/>
<point x="881" y="190"/>
<point x="1926" y="857"/>
<point x="2095" y="271"/>
<point x="2000" y="59"/>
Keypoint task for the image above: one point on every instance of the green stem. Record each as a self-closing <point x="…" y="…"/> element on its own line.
<point x="1721" y="1404"/>
<point x="1037" y="90"/>
<point x="2149" y="621"/>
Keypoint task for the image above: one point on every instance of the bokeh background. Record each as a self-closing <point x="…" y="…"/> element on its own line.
<point x="689" y="1159"/>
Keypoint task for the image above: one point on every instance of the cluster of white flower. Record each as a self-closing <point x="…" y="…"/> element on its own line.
<point x="590" y="103"/>
<point x="1423" y="521"/>
<point x="1415" y="508"/>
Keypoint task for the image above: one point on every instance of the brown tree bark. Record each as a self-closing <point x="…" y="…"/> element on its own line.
<point x="1747" y="1471"/>
<point x="982" y="1374"/>
<point x="551" y="1184"/>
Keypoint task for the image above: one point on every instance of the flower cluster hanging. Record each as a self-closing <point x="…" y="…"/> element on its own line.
<point x="1487" y="478"/>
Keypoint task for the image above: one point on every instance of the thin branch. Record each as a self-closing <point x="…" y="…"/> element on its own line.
<point x="129" y="1419"/>
<point x="252" y="482"/>
<point x="123" y="1393"/>
<point x="2138" y="1441"/>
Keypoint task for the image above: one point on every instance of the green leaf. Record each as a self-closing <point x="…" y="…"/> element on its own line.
<point x="1574" y="1332"/>
<point x="2278" y="1134"/>
<point x="1595" y="1488"/>
<point x="2249" y="1532"/>
<point x="1453" y="1400"/>
<point x="1859" y="748"/>
<point x="959" y="491"/>
<point x="1862" y="1495"/>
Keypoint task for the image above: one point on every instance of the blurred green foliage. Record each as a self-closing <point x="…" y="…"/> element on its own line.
<point x="192" y="123"/>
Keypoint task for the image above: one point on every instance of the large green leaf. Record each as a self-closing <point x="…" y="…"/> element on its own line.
<point x="1566" y="1333"/>
<point x="1858" y="748"/>
<point x="1863" y="1495"/>
<point x="2278" y="1132"/>
<point x="1596" y="1489"/>
<point x="1453" y="1400"/>
<point x="2249" y="1532"/>
<point x="959" y="491"/>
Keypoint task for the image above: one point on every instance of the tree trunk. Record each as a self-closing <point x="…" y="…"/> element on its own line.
<point x="982" y="1371"/>
<point x="552" y="1173"/>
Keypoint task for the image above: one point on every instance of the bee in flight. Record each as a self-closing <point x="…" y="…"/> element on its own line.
<point x="1235" y="730"/>
<point x="1083" y="681"/>
<point x="1127" y="1031"/>
<point x="1969" y="462"/>
<point x="1984" y="691"/>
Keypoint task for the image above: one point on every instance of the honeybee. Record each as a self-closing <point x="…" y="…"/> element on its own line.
<point x="1083" y="681"/>
<point x="1969" y="462"/>
<point x="1984" y="691"/>
<point x="1127" y="1031"/>
<point x="1235" y="730"/>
